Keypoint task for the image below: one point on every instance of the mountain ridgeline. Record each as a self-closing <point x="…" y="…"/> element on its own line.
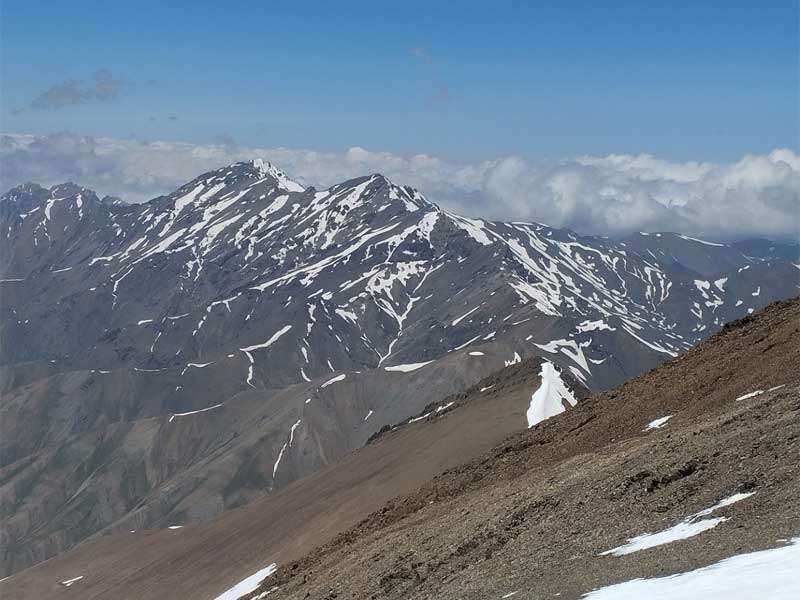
<point x="164" y="361"/>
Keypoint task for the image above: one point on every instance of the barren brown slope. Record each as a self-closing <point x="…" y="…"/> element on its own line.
<point x="534" y="515"/>
<point x="201" y="561"/>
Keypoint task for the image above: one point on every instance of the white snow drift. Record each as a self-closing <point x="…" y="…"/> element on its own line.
<point x="769" y="574"/>
<point x="248" y="585"/>
<point x="548" y="400"/>
<point x="691" y="526"/>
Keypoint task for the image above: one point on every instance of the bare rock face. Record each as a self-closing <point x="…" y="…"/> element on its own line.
<point x="164" y="361"/>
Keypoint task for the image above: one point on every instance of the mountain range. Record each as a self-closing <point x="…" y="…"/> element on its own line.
<point x="167" y="361"/>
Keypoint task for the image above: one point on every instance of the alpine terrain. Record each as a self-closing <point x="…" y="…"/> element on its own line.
<point x="679" y="481"/>
<point x="244" y="349"/>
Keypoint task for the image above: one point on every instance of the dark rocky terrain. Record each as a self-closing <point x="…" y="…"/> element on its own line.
<point x="451" y="507"/>
<point x="535" y="515"/>
<point x="167" y="361"/>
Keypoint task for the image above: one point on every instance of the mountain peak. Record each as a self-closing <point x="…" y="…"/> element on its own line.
<point x="411" y="198"/>
<point x="69" y="188"/>
<point x="267" y="169"/>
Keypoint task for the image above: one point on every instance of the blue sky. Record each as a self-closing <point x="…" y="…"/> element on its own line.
<point x="462" y="81"/>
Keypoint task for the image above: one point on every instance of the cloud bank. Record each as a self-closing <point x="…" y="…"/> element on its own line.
<point x="758" y="195"/>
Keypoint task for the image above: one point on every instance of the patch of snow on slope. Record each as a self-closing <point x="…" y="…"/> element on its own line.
<point x="681" y="531"/>
<point x="69" y="582"/>
<point x="267" y="168"/>
<point x="765" y="574"/>
<point x="691" y="526"/>
<point x="333" y="380"/>
<point x="269" y="342"/>
<point x="465" y="344"/>
<point x="691" y="239"/>
<point x="419" y="418"/>
<point x="248" y="585"/>
<point x="598" y="325"/>
<point x="548" y="400"/>
<point x="570" y="348"/>
<point x="407" y="368"/>
<point x="750" y="395"/>
<point x="194" y="412"/>
<point x="278" y="460"/>
<point x="291" y="432"/>
<point x="462" y="317"/>
<point x="475" y="228"/>
<point x="658" y="423"/>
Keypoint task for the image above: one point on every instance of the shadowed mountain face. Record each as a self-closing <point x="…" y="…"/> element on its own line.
<point x="164" y="361"/>
<point x="768" y="249"/>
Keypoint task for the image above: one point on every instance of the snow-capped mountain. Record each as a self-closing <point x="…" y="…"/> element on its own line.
<point x="295" y="323"/>
<point x="363" y="274"/>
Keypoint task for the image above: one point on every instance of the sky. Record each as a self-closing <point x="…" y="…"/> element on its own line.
<point x="466" y="85"/>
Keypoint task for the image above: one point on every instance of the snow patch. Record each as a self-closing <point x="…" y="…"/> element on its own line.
<point x="765" y="574"/>
<point x="464" y="316"/>
<point x="269" y="342"/>
<point x="658" y="423"/>
<point x="333" y="380"/>
<point x="267" y="168"/>
<point x="750" y="395"/>
<point x="248" y="585"/>
<point x="548" y="400"/>
<point x="691" y="239"/>
<point x="475" y="228"/>
<point x="598" y="325"/>
<point x="569" y="348"/>
<point x="407" y="368"/>
<point x="194" y="412"/>
<point x="69" y="582"/>
<point x="278" y="460"/>
<point x="691" y="526"/>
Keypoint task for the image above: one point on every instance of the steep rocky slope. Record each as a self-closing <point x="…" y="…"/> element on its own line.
<point x="549" y="512"/>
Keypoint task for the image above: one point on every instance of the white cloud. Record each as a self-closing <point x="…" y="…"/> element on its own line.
<point x="612" y="195"/>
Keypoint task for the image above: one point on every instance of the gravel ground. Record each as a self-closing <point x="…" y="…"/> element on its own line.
<point x="534" y="515"/>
